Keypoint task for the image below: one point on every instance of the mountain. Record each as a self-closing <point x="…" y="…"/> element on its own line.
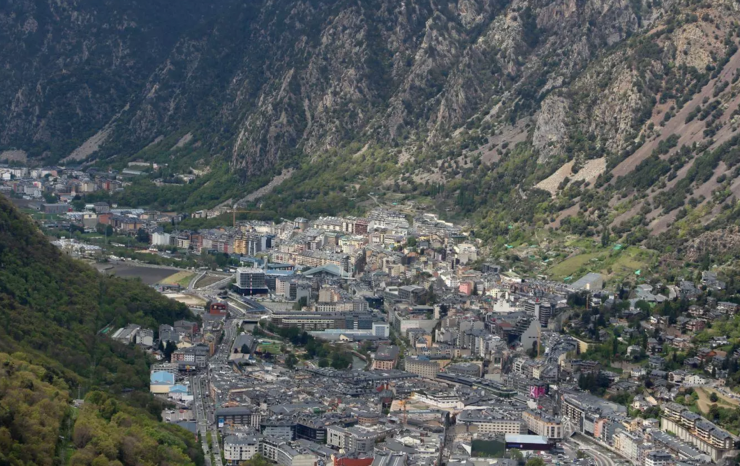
<point x="52" y="309"/>
<point x="579" y="115"/>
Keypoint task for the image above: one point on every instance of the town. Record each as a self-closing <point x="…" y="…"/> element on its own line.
<point x="390" y="339"/>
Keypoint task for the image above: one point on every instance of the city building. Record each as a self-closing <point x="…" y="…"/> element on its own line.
<point x="543" y="424"/>
<point x="386" y="357"/>
<point x="250" y="281"/>
<point x="422" y="367"/>
<point x="240" y="448"/>
<point x="490" y="421"/>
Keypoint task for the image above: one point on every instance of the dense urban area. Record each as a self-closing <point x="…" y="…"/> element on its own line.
<point x="390" y="339"/>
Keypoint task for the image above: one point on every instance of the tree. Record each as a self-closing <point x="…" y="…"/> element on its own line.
<point x="170" y="348"/>
<point x="300" y="303"/>
<point x="50" y="198"/>
<point x="516" y="454"/>
<point x="222" y="259"/>
<point x="713" y="397"/>
<point x="290" y="361"/>
<point x="256" y="460"/>
<point x="605" y="237"/>
<point x="244" y="349"/>
<point x="142" y="236"/>
<point x="104" y="229"/>
<point x="78" y="204"/>
<point x="535" y="461"/>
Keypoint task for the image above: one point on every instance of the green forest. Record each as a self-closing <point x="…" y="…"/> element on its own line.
<point x="52" y="309"/>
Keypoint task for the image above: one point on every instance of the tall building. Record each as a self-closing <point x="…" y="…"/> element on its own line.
<point x="250" y="281"/>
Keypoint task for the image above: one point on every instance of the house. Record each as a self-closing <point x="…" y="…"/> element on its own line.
<point x="656" y="362"/>
<point x="654" y="346"/>
<point x="633" y="351"/>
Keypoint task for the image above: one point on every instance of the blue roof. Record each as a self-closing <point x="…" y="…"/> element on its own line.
<point x="162" y="377"/>
<point x="179" y="389"/>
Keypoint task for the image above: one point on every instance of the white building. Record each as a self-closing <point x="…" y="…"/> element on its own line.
<point x="238" y="448"/>
<point x="658" y="458"/>
<point x="160" y="238"/>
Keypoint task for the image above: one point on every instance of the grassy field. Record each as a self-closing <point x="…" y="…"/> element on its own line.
<point x="612" y="264"/>
<point x="704" y="402"/>
<point x="181" y="278"/>
<point x="272" y="348"/>
<point x="569" y="266"/>
<point x="208" y="280"/>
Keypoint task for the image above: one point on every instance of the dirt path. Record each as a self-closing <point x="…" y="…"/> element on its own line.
<point x="704" y="403"/>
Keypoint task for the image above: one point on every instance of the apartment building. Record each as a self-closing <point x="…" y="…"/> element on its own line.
<point x="543" y="424"/>
<point x="490" y="421"/>
<point x="238" y="449"/>
<point x="421" y="367"/>
<point x="697" y="431"/>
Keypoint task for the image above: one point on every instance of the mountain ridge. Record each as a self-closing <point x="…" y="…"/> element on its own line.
<point x="460" y="95"/>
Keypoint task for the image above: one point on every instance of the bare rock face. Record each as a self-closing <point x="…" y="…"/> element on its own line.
<point x="69" y="67"/>
<point x="262" y="82"/>
<point x="550" y="128"/>
<point x="717" y="242"/>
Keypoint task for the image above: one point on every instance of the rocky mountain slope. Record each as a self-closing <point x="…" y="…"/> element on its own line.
<point x="578" y="115"/>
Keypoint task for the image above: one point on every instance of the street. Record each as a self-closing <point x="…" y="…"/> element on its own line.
<point x="601" y="456"/>
<point x="202" y="404"/>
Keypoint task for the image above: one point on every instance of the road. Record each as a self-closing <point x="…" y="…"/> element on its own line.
<point x="600" y="456"/>
<point x="203" y="405"/>
<point x="200" y="414"/>
<point x="194" y="280"/>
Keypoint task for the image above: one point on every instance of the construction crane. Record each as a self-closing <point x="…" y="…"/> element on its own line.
<point x="234" y="212"/>
<point x="405" y="413"/>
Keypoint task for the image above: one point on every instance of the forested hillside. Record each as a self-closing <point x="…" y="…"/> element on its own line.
<point x="56" y="305"/>
<point x="39" y="427"/>
<point x="51" y="310"/>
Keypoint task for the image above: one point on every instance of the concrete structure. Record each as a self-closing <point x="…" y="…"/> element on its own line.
<point x="590" y="282"/>
<point x="658" y="458"/>
<point x="286" y="453"/>
<point x="355" y="439"/>
<point x="238" y="416"/>
<point x="422" y="367"/>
